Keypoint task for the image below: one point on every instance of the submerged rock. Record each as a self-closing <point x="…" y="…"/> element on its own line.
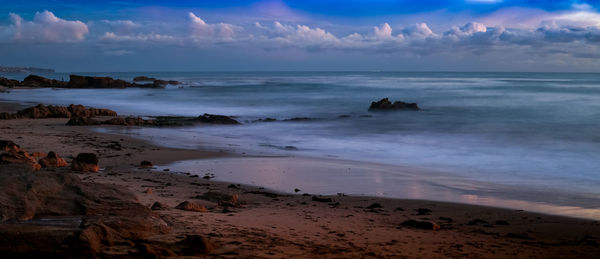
<point x="385" y="104"/>
<point x="216" y="119"/>
<point x="85" y="162"/>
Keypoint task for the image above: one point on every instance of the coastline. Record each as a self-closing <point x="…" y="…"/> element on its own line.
<point x="273" y="224"/>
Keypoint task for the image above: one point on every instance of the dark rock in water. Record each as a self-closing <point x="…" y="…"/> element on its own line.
<point x="52" y="160"/>
<point x="216" y="119"/>
<point x="320" y="199"/>
<point x="385" y="104"/>
<point x="85" y="162"/>
<point x="76" y="81"/>
<point x="146" y="164"/>
<point x="421" y="224"/>
<point x="9" y="82"/>
<point x="174" y="121"/>
<point x="143" y="79"/>
<point x="82" y="121"/>
<point x="191" y="206"/>
<point x="38" y="81"/>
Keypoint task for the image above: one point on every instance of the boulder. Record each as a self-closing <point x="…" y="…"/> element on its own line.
<point x="85" y="162"/>
<point x="191" y="206"/>
<point x="216" y="119"/>
<point x="385" y="105"/>
<point x="38" y="81"/>
<point x="52" y="160"/>
<point x="19" y="158"/>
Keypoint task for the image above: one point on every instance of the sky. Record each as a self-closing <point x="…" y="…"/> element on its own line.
<point x="320" y="35"/>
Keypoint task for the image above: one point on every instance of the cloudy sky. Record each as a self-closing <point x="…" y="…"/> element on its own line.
<point x="402" y="35"/>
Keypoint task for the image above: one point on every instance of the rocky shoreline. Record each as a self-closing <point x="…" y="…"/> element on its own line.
<point x="82" y="82"/>
<point x="126" y="208"/>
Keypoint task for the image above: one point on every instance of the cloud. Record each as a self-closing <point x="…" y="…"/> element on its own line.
<point x="140" y="37"/>
<point x="46" y="27"/>
<point x="202" y="30"/>
<point x="122" y="27"/>
<point x="385" y="31"/>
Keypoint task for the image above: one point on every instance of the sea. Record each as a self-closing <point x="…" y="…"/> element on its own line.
<point x="534" y="137"/>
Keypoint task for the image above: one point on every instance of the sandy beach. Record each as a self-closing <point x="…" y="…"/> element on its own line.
<point x="247" y="221"/>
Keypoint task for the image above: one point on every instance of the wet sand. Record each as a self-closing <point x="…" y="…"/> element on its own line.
<point x="273" y="224"/>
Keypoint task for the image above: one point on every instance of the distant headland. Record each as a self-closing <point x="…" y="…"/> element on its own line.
<point x="4" y="69"/>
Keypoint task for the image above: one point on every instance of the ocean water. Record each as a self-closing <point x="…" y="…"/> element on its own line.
<point x="525" y="130"/>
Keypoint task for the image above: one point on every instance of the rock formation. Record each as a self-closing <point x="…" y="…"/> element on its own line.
<point x="41" y="111"/>
<point x="385" y="105"/>
<point x="85" y="162"/>
<point x="52" y="160"/>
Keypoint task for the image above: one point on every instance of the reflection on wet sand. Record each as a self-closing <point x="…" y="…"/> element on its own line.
<point x="327" y="176"/>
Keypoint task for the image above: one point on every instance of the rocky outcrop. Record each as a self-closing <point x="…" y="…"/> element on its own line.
<point x="52" y="160"/>
<point x="216" y="119"/>
<point x="128" y="121"/>
<point x="385" y="105"/>
<point x="9" y="82"/>
<point x="82" y="121"/>
<point x="143" y="79"/>
<point x="38" y="81"/>
<point x="60" y="216"/>
<point x="20" y="158"/>
<point x="85" y="162"/>
<point x="41" y="111"/>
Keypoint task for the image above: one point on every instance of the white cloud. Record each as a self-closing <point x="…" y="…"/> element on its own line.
<point x="420" y="30"/>
<point x="113" y="37"/>
<point x="46" y="27"/>
<point x="218" y="31"/>
<point x="122" y="27"/>
<point x="385" y="31"/>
